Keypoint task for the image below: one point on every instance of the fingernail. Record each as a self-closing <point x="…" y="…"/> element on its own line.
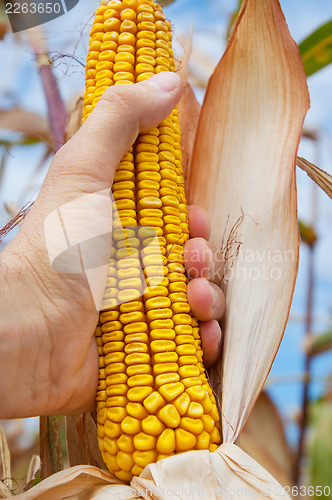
<point x="215" y="296"/>
<point x="166" y="81"/>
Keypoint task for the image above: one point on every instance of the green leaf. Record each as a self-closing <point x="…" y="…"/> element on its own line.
<point x="320" y="446"/>
<point x="316" y="49"/>
<point x="307" y="233"/>
<point x="320" y="343"/>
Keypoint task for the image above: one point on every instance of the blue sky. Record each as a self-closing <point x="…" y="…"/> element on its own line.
<point x="20" y="83"/>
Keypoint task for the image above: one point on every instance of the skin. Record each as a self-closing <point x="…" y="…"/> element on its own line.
<point x="48" y="356"/>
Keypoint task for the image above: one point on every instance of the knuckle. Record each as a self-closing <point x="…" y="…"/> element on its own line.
<point x="119" y="98"/>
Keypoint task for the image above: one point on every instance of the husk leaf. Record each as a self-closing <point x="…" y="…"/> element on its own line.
<point x="323" y="179"/>
<point x="243" y="174"/>
<point x="263" y="438"/>
<point x="221" y="475"/>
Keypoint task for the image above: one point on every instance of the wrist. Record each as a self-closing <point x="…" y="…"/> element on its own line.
<point x="20" y="314"/>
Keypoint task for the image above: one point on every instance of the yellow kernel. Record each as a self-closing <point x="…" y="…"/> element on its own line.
<point x="147" y="26"/>
<point x="125" y="460"/>
<point x="186" y="349"/>
<point x="144" y="458"/>
<point x="152" y="425"/>
<point x="214" y="412"/>
<point x="166" y="442"/>
<point x="188" y="382"/>
<point x="197" y="393"/>
<point x="126" y="443"/>
<point x="136" y="337"/>
<point x="102" y="415"/>
<point x="115" y="357"/>
<point x="137" y="358"/>
<point x="138" y="327"/>
<point x="144" y="441"/>
<point x="136" y="410"/>
<point x="123" y="66"/>
<point x="100" y="430"/>
<point x="128" y="26"/>
<point x="193" y="425"/>
<point x="187" y="360"/>
<point x="154" y="402"/>
<point x="165" y="357"/>
<point x="169" y="416"/>
<point x="207" y="405"/>
<point x="164" y="368"/>
<point x="111" y="462"/>
<point x="130" y="4"/>
<point x="117" y="390"/>
<point x="162" y="346"/>
<point x="127" y="39"/>
<point x="208" y="423"/>
<point x="161" y="456"/>
<point x="126" y="48"/>
<point x="144" y="76"/>
<point x="138" y="394"/>
<point x="182" y="403"/>
<point x="131" y="425"/>
<point x="184" y="339"/>
<point x="117" y="401"/>
<point x="213" y="447"/>
<point x="157" y="302"/>
<point x="136" y="347"/>
<point x="140" y="380"/>
<point x="111" y="24"/>
<point x="124" y="75"/>
<point x="203" y="441"/>
<point x="116" y="378"/>
<point x="125" y="476"/>
<point x="109" y="338"/>
<point x="189" y="371"/>
<point x="112" y="430"/>
<point x="155" y="292"/>
<point x="184" y="440"/>
<point x="166" y="378"/>
<point x="110" y="446"/>
<point x="172" y="390"/>
<point x="136" y="470"/>
<point x="129" y="14"/>
<point x="116" y="414"/>
<point x="146" y="35"/>
<point x="215" y="436"/>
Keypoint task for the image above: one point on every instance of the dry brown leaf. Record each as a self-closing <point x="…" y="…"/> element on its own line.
<point x="323" y="179"/>
<point x="189" y="111"/>
<point x="243" y="174"/>
<point x="26" y="122"/>
<point x="5" y="461"/>
<point x="77" y="483"/>
<point x="74" y="120"/>
<point x="82" y="441"/>
<point x="225" y="474"/>
<point x="263" y="438"/>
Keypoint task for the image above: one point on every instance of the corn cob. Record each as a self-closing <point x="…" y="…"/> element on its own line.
<point x="153" y="398"/>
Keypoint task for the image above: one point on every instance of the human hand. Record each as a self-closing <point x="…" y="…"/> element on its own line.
<point x="48" y="357"/>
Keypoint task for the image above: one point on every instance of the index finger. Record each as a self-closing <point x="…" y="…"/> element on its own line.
<point x="199" y="224"/>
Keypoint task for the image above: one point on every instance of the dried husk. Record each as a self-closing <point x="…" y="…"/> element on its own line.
<point x="323" y="179"/>
<point x="263" y="438"/>
<point x="243" y="174"/>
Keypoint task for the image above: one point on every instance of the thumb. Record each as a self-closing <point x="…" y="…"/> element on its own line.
<point x="112" y="128"/>
<point x="87" y="163"/>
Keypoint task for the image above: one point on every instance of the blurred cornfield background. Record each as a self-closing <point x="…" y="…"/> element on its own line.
<point x="290" y="430"/>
